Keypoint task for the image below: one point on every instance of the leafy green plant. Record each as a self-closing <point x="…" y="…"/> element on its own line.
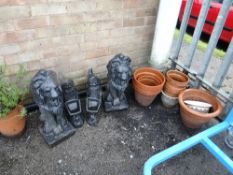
<point x="11" y="93"/>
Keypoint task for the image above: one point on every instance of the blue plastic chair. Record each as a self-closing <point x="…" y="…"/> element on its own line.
<point x="203" y="138"/>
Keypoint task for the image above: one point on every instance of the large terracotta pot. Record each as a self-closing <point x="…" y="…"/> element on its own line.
<point x="147" y="83"/>
<point x="192" y="118"/>
<point x="13" y="124"/>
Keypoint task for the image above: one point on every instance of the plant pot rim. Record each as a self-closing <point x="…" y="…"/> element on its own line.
<point x="171" y="73"/>
<point x="8" y="116"/>
<point x="216" y="112"/>
<point x="156" y="74"/>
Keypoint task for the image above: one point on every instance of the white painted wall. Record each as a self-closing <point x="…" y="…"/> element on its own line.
<point x="164" y="31"/>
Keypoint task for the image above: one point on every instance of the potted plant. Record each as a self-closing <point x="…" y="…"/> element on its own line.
<point x="12" y="113"/>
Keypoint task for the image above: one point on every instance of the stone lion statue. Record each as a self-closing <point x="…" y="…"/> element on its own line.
<point x="47" y="94"/>
<point x="119" y="74"/>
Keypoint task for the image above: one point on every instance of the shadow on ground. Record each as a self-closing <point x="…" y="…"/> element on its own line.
<point x="119" y="145"/>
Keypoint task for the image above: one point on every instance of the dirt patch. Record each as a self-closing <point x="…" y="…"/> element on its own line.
<point x="119" y="145"/>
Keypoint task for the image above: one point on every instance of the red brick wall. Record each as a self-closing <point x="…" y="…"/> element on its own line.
<point x="73" y="35"/>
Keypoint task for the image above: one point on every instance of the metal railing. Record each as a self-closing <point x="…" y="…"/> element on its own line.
<point x="198" y="75"/>
<point x="203" y="138"/>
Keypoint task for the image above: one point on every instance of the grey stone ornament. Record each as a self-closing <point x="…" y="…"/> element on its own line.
<point x="93" y="100"/>
<point x="47" y="94"/>
<point x="72" y="104"/>
<point x="119" y="74"/>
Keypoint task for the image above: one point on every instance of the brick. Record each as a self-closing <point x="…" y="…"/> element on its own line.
<point x="61" y="0"/>
<point x="34" y="45"/>
<point x="2" y="61"/>
<point x="119" y="32"/>
<point x="75" y="74"/>
<point x="10" y="12"/>
<point x="20" y="2"/>
<point x="30" y="23"/>
<point x="6" y="26"/>
<point x="77" y="66"/>
<point x="109" y="24"/>
<point x="66" y="19"/>
<point x="129" y="13"/>
<point x="131" y="3"/>
<point x="150" y="20"/>
<point x="96" y="53"/>
<point x="9" y="49"/>
<point x="61" y="65"/>
<point x="17" y="36"/>
<point x="77" y="59"/>
<point x="104" y="60"/>
<point x="148" y="37"/>
<point x="22" y="58"/>
<point x="46" y="63"/>
<point x="148" y="3"/>
<point x="109" y="42"/>
<point x="83" y="28"/>
<point x="109" y="4"/>
<point x="33" y="65"/>
<point x="67" y="40"/>
<point x="48" y="9"/>
<point x="96" y="16"/>
<point x="88" y="46"/>
<point x="46" y="32"/>
<point x="68" y="50"/>
<point x="145" y="12"/>
<point x="49" y="53"/>
<point x="144" y="29"/>
<point x="52" y="31"/>
<point x="133" y="22"/>
<point x="115" y="14"/>
<point x="81" y="6"/>
<point x="96" y="36"/>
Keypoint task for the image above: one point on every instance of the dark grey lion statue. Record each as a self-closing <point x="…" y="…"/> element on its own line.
<point x="119" y="74"/>
<point x="47" y="94"/>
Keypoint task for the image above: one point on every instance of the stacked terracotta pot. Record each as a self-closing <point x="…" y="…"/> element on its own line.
<point x="147" y="83"/>
<point x="176" y="82"/>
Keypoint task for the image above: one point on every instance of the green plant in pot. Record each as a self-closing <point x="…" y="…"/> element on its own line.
<point x="12" y="113"/>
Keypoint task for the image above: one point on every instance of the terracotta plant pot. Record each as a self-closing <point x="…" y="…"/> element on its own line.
<point x="177" y="78"/>
<point x="13" y="124"/>
<point x="176" y="82"/>
<point x="147" y="83"/>
<point x="171" y="90"/>
<point x="192" y="118"/>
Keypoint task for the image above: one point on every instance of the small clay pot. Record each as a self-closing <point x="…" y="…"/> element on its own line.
<point x="147" y="83"/>
<point x="172" y="90"/>
<point x="192" y="118"/>
<point x="13" y="124"/>
<point x="177" y="78"/>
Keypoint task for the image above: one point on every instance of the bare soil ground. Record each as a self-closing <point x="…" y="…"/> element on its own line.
<point x="119" y="145"/>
